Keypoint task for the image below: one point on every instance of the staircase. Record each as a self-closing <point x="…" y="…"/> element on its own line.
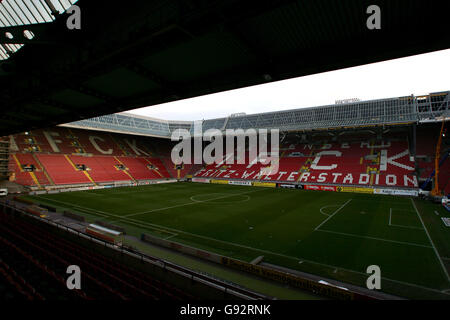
<point x="126" y="170"/>
<point x="4" y="159"/>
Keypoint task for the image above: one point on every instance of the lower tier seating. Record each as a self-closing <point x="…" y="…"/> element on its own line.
<point x="77" y="169"/>
<point x="37" y="258"/>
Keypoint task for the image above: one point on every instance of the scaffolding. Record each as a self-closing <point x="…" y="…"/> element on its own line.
<point x="4" y="159"/>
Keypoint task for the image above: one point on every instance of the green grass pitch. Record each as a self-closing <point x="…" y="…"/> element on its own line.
<point x="336" y="235"/>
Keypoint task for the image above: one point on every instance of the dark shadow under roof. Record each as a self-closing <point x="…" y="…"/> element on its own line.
<point x="139" y="53"/>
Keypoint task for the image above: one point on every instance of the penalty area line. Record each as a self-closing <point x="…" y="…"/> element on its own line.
<point x="399" y="225"/>
<point x="431" y="241"/>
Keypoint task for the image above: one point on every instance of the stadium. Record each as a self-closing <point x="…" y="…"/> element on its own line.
<point x="358" y="183"/>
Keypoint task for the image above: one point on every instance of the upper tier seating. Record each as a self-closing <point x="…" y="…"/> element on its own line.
<point x="61" y="170"/>
<point x="101" y="168"/>
<point x="355" y="159"/>
<point x="382" y="163"/>
<point x="58" y="154"/>
<point x="25" y="177"/>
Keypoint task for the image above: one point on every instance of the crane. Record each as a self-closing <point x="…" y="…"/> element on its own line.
<point x="436" y="191"/>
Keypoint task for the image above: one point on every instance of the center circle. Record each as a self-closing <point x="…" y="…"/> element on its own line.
<point x="222" y="198"/>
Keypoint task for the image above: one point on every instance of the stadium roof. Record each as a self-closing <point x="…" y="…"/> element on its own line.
<point x="381" y="112"/>
<point x="15" y="16"/>
<point x="140" y="53"/>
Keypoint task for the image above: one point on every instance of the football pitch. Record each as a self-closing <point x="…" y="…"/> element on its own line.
<point x="331" y="234"/>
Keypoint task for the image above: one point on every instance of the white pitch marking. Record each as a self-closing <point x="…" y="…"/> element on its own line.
<point x="406" y="227"/>
<point x="187" y="204"/>
<point x="93" y="194"/>
<point x="74" y="205"/>
<point x="399" y="225"/>
<point x="154" y="189"/>
<point x="329" y="217"/>
<point x="247" y="198"/>
<point x="270" y="252"/>
<point x="276" y="254"/>
<point x="331" y="205"/>
<point x="173" y="235"/>
<point x="431" y="241"/>
<point x="373" y="238"/>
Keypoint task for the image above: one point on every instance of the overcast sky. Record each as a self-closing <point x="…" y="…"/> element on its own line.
<point x="418" y="75"/>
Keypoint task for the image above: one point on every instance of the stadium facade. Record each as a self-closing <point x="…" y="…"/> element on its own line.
<point x="378" y="143"/>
